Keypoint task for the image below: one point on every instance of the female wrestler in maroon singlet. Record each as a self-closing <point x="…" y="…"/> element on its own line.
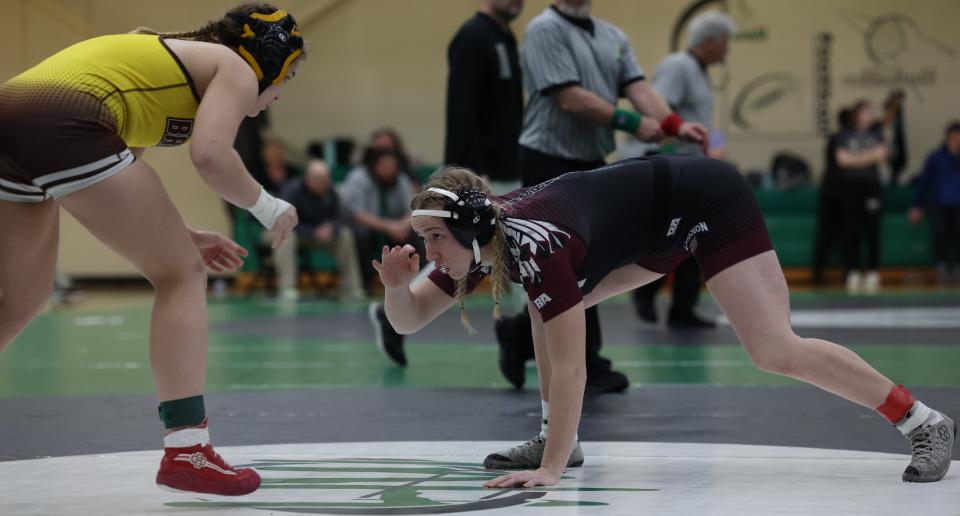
<point x="586" y="236"/>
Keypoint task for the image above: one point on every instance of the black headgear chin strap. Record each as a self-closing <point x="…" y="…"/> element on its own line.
<point x="469" y="216"/>
<point x="269" y="44"/>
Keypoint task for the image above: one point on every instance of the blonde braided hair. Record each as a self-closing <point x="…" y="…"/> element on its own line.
<point x="458" y="178"/>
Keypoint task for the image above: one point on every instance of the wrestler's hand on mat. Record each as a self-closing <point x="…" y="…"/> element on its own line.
<point x="398" y="267"/>
<point x="531" y="478"/>
<point x="283" y="226"/>
<point x="649" y="130"/>
<point x="695" y="132"/>
<point x="219" y="252"/>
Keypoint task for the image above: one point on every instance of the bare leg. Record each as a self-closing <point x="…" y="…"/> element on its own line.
<point x="753" y="294"/>
<point x="28" y="256"/>
<point x="621" y="280"/>
<point x="132" y="214"/>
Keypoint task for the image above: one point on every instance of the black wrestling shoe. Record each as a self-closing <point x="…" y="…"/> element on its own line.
<point x="603" y="381"/>
<point x="512" y="360"/>
<point x="389" y="341"/>
<point x="689" y="321"/>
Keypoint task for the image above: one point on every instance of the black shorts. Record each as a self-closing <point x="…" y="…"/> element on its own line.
<point x="54" y="141"/>
<point x="718" y="221"/>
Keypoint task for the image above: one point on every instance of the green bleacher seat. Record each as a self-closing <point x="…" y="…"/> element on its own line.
<point x="791" y="218"/>
<point x="423" y="172"/>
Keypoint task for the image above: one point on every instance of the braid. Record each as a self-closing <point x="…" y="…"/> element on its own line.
<point x="500" y="273"/>
<point x="461" y="293"/>
<point x="224" y="31"/>
<point x="214" y="32"/>
<point x="455" y="178"/>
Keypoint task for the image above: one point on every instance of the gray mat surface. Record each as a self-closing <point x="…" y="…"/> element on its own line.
<point x="786" y="416"/>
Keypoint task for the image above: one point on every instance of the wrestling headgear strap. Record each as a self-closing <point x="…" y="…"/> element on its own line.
<point x="469" y="215"/>
<point x="269" y="43"/>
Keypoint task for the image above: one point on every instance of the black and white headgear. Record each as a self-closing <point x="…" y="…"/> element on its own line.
<point x="469" y="216"/>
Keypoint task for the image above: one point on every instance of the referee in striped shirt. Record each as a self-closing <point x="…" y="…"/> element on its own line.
<point x="576" y="67"/>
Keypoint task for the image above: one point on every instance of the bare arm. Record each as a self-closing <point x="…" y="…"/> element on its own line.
<point x="586" y="105"/>
<point x="647" y="100"/>
<point x="864" y="159"/>
<point x="564" y="363"/>
<point x="891" y="107"/>
<point x="231" y="95"/>
<point x="137" y="152"/>
<point x="583" y="104"/>
<point x="565" y="338"/>
<point x="408" y="310"/>
<point x="541" y="353"/>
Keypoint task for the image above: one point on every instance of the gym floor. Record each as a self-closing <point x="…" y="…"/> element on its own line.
<point x="303" y="383"/>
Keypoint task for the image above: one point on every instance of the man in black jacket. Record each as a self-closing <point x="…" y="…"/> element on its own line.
<point x="485" y="95"/>
<point x="484" y="119"/>
<point x="320" y="227"/>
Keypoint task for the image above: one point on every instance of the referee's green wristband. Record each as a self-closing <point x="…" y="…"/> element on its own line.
<point x="625" y="120"/>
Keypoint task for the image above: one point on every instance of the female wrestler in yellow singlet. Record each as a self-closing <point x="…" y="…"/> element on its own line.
<point x="72" y="132"/>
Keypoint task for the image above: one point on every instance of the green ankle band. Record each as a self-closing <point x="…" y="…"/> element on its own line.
<point x="182" y="412"/>
<point x="626" y="120"/>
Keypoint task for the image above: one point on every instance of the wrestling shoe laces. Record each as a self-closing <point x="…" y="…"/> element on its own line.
<point x="932" y="447"/>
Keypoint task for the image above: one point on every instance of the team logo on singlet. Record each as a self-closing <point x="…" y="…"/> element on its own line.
<point x="673" y="226"/>
<point x="528" y="239"/>
<point x="690" y="243"/>
<point x="178" y="130"/>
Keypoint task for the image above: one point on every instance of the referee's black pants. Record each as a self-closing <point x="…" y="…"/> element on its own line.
<point x="946" y="233"/>
<point x="829" y="210"/>
<point x="537" y="167"/>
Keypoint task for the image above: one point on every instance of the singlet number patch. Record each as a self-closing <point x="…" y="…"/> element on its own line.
<point x="178" y="131"/>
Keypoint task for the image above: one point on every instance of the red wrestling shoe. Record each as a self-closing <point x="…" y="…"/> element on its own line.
<point x="190" y="464"/>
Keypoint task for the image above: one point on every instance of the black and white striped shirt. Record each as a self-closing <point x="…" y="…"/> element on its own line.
<point x="559" y="51"/>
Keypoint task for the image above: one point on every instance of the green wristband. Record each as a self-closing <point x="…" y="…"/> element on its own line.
<point x="626" y="120"/>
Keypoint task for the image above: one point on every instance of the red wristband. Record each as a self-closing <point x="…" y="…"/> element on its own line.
<point x="671" y="124"/>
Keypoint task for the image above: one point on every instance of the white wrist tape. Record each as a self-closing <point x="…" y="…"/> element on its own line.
<point x="268" y="209"/>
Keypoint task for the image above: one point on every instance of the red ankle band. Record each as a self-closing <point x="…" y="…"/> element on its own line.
<point x="898" y="402"/>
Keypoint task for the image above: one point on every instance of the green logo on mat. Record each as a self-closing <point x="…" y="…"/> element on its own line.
<point x="392" y="486"/>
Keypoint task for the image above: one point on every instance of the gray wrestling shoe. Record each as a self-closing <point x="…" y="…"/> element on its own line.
<point x="932" y="450"/>
<point x="528" y="456"/>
